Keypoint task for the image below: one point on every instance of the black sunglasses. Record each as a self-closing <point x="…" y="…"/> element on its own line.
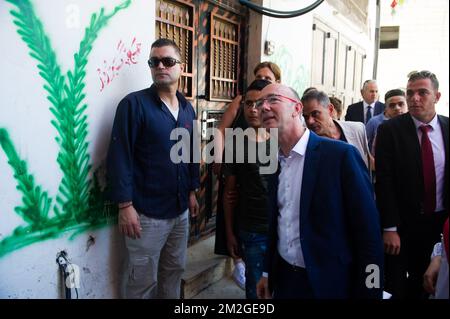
<point x="168" y="62"/>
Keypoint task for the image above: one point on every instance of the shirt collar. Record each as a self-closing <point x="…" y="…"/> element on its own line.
<point x="300" y="147"/>
<point x="154" y="93"/>
<point x="367" y="104"/>
<point x="434" y="123"/>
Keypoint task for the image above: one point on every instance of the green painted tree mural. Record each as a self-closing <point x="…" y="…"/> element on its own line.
<point x="80" y="202"/>
<point x="296" y="77"/>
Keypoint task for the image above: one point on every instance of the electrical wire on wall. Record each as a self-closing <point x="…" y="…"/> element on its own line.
<point x="280" y="14"/>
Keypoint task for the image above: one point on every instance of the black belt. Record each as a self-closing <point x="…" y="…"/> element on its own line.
<point x="291" y="267"/>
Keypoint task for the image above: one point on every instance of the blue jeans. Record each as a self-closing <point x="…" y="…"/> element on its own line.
<point x="253" y="249"/>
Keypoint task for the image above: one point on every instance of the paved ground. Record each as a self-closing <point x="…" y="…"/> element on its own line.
<point x="223" y="289"/>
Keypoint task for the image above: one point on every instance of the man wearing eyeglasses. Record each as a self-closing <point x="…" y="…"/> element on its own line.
<point x="154" y="194"/>
<point x="324" y="234"/>
<point x="412" y="181"/>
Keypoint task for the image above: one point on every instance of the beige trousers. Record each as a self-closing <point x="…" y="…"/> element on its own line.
<point x="156" y="261"/>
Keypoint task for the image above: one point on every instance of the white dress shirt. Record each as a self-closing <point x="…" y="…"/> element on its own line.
<point x="289" y="192"/>
<point x="437" y="143"/>
<point x="366" y="106"/>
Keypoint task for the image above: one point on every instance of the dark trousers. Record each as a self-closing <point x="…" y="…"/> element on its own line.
<point x="253" y="250"/>
<point x="291" y="282"/>
<point x="404" y="272"/>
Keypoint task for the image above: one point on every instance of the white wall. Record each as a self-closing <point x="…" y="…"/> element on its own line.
<point x="423" y="45"/>
<point x="293" y="38"/>
<point x="31" y="271"/>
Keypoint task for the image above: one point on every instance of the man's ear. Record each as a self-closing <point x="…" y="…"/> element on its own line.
<point x="330" y="109"/>
<point x="438" y="96"/>
<point x="299" y="107"/>
<point x="182" y="66"/>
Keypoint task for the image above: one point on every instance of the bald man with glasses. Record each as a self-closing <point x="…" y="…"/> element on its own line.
<point x="324" y="234"/>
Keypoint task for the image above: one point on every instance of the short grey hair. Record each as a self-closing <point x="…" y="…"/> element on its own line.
<point x="366" y="83"/>
<point x="317" y="95"/>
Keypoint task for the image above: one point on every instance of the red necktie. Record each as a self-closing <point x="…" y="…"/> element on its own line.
<point x="429" y="174"/>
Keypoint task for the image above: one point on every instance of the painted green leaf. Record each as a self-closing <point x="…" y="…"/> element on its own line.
<point x="79" y="202"/>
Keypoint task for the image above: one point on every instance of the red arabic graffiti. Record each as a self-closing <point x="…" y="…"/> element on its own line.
<point x="123" y="56"/>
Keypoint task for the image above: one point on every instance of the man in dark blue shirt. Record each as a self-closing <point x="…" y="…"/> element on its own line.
<point x="153" y="191"/>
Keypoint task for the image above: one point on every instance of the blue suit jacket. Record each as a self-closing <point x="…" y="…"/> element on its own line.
<point x="339" y="223"/>
<point x="355" y="112"/>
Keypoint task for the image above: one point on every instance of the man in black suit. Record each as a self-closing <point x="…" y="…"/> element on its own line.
<point x="363" y="111"/>
<point x="412" y="185"/>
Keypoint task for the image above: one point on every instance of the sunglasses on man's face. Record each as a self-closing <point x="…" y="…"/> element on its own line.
<point x="168" y="62"/>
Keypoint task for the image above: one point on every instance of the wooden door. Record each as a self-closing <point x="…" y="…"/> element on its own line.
<point x="211" y="35"/>
<point x="324" y="58"/>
